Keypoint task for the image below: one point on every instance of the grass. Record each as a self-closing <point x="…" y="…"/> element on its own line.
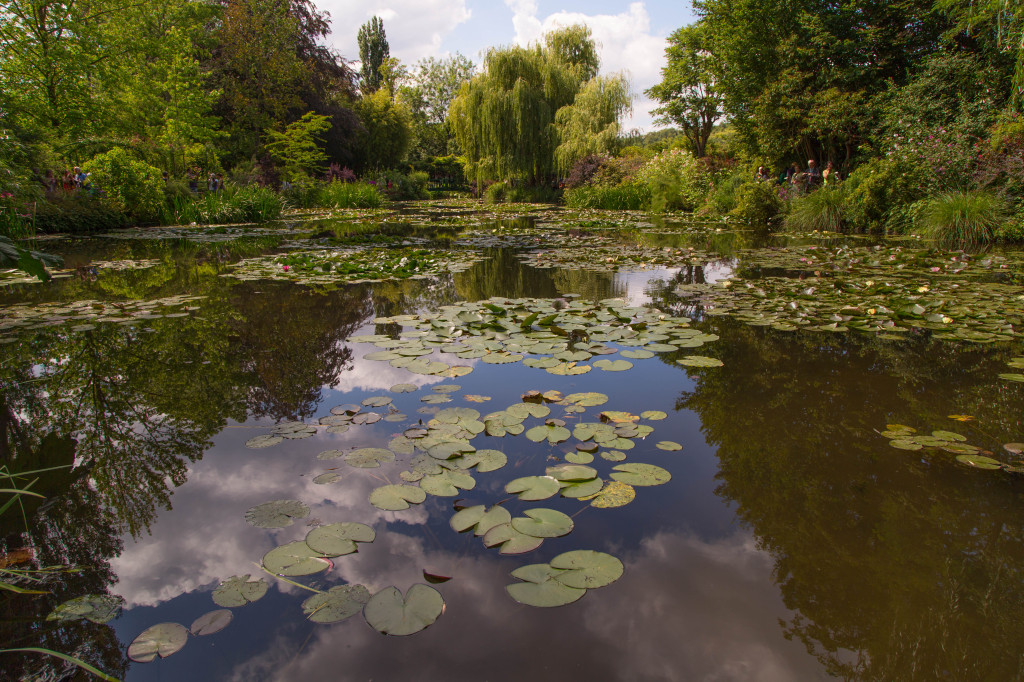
<point x="963" y="220"/>
<point x="624" y="197"/>
<point x="821" y="210"/>
<point x="252" y="204"/>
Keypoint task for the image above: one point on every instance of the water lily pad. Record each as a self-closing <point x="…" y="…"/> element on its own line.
<point x="239" y="590"/>
<point x="264" y="441"/>
<point x="525" y="410"/>
<point x="511" y="540"/>
<point x="390" y="613"/>
<point x="327" y="478"/>
<point x="552" y="433"/>
<point x="543" y="523"/>
<point x="581" y="457"/>
<point x="294" y="559"/>
<point x="613" y="365"/>
<point x="369" y="458"/>
<point x="211" y="622"/>
<point x="480" y="519"/>
<point x="447" y="483"/>
<point x="668" y="445"/>
<point x="160" y="640"/>
<point x="98" y="608"/>
<point x="638" y="474"/>
<point x="484" y="460"/>
<point x="571" y="472"/>
<point x="639" y="354"/>
<point x="1014" y="448"/>
<point x="568" y="369"/>
<point x="699" y="361"/>
<point x="403" y="388"/>
<point x="336" y="539"/>
<point x="337" y="604"/>
<point x="904" y="444"/>
<point x="949" y="435"/>
<point x="346" y="409"/>
<point x="979" y="462"/>
<point x="579" y="489"/>
<point x="547" y="593"/>
<point x="614" y="455"/>
<point x="653" y="415"/>
<point x="276" y="514"/>
<point x="396" y="497"/>
<point x="532" y="488"/>
<point x="585" y="399"/>
<point x="587" y="569"/>
<point x="366" y="418"/>
<point x="377" y="401"/>
<point x="615" y="494"/>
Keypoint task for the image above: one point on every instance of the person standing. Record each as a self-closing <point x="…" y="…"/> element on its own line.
<point x="813" y="174"/>
<point x="829" y="174"/>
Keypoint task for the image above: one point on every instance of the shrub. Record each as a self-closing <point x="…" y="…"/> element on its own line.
<point x="584" y="170"/>
<point x="348" y="195"/>
<point x="821" y="210"/>
<point x="401" y="187"/>
<point x="77" y="213"/>
<point x="532" y="194"/>
<point x="1013" y="229"/>
<point x="678" y="181"/>
<point x="757" y="203"/>
<point x="624" y="197"/>
<point x="963" y="220"/>
<point x="723" y="197"/>
<point x="495" y="193"/>
<point x="876" y="191"/>
<point x="126" y="183"/>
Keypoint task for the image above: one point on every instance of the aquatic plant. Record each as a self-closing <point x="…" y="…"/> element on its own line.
<point x="821" y="211"/>
<point x="963" y="220"/>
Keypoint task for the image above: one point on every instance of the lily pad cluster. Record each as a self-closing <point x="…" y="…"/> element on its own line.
<point x="905" y="437"/>
<point x="353" y="266"/>
<point x="556" y="335"/>
<point x="81" y="316"/>
<point x="1014" y="363"/>
<point x="616" y="258"/>
<point x="165" y="639"/>
<point x="565" y="579"/>
<point x="981" y="312"/>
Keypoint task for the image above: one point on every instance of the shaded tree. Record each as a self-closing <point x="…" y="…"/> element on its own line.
<point x="373" y="51"/>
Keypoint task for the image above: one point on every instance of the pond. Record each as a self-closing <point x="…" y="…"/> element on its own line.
<point x="522" y="442"/>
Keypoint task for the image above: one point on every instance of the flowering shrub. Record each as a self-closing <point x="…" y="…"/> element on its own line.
<point x="677" y="180"/>
<point x="941" y="160"/>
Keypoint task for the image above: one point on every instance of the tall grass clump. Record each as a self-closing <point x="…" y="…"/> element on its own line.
<point x="821" y="210"/>
<point x="335" y="194"/>
<point x="963" y="220"/>
<point x="252" y="204"/>
<point x="628" y="196"/>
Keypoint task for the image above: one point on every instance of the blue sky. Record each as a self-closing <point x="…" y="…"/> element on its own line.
<point x="631" y="34"/>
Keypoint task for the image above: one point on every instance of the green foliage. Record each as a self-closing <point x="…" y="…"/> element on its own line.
<point x="434" y="84"/>
<point x="724" y="197"/>
<point x="387" y="132"/>
<point x="1012" y="230"/>
<point x="334" y="194"/>
<point x="402" y="186"/>
<point x="77" y="213"/>
<point x="300" y="147"/>
<point x="373" y="51"/>
<point x="678" y="181"/>
<point x="877" y="188"/>
<point x="590" y="124"/>
<point x="757" y="203"/>
<point x="127" y="183"/>
<point x="821" y="211"/>
<point x="687" y="92"/>
<point x="32" y="262"/>
<point x="252" y="204"/>
<point x="963" y="220"/>
<point x="630" y="196"/>
<point x="495" y="193"/>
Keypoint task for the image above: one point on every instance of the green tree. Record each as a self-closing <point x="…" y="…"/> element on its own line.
<point x="373" y="51"/>
<point x="299" y="148"/>
<point x="505" y="118"/>
<point x="687" y="92"/>
<point x="590" y="125"/>
<point x="387" y="132"/>
<point x="435" y="83"/>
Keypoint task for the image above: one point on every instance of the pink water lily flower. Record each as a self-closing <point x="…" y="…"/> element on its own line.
<point x="936" y="269"/>
<point x="286" y="268"/>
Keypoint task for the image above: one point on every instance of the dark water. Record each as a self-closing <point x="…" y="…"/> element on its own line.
<point x="793" y="543"/>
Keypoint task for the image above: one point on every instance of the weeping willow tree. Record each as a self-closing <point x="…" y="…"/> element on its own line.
<point x="529" y="102"/>
<point x="590" y="125"/>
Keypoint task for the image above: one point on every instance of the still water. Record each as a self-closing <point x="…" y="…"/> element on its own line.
<point x="792" y="542"/>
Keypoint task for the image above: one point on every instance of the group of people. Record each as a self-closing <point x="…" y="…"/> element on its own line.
<point x="807" y="180"/>
<point x="69" y="181"/>
<point x="214" y="182"/>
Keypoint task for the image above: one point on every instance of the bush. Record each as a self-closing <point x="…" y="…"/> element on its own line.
<point x="963" y="220"/>
<point x="495" y="193"/>
<point x="1013" y="229"/>
<point x="678" y="181"/>
<point x="821" y="210"/>
<point x="252" y="204"/>
<point x="723" y="198"/>
<point x="876" y="191"/>
<point x="625" y="197"/>
<point x="401" y="187"/>
<point x="77" y="213"/>
<point x="584" y="170"/>
<point x="757" y="203"/>
<point x="127" y="183"/>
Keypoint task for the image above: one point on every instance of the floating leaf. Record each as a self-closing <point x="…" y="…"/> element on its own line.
<point x="552" y="433"/>
<point x="369" y="458"/>
<point x="543" y="523"/>
<point x="265" y="441"/>
<point x="699" y="361"/>
<point x="579" y="457"/>
<point x="276" y="514"/>
<point x="636" y="354"/>
<point x="523" y="410"/>
<point x="545" y="594"/>
<point x="637" y="474"/>
<point x="294" y="559"/>
<point x="159" y="640"/>
<point x="903" y="444"/>
<point x="366" y="418"/>
<point x="336" y="539"/>
<point x="532" y="488"/>
<point x="613" y="455"/>
<point x="653" y="415"/>
<point x="239" y="590"/>
<point x="571" y="472"/>
<point x="585" y="399"/>
<point x="511" y="540"/>
<point x="579" y="489"/>
<point x="337" y="604"/>
<point x="390" y="613"/>
<point x="403" y="388"/>
<point x="615" y="494"/>
<point x="396" y="497"/>
<point x="670" y="446"/>
<point x="1014" y="448"/>
<point x="949" y="435"/>
<point x="613" y="365"/>
<point x="447" y="483"/>
<point x="211" y="622"/>
<point x="98" y="608"/>
<point x="484" y="460"/>
<point x="377" y="401"/>
<point x="480" y="519"/>
<point x="327" y="477"/>
<point x="587" y="569"/>
<point x="979" y="462"/>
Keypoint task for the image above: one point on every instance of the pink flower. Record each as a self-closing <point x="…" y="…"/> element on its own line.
<point x="936" y="269"/>
<point x="286" y="268"/>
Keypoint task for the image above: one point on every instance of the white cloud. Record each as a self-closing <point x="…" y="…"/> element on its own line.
<point x="625" y="40"/>
<point x="415" y="28"/>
